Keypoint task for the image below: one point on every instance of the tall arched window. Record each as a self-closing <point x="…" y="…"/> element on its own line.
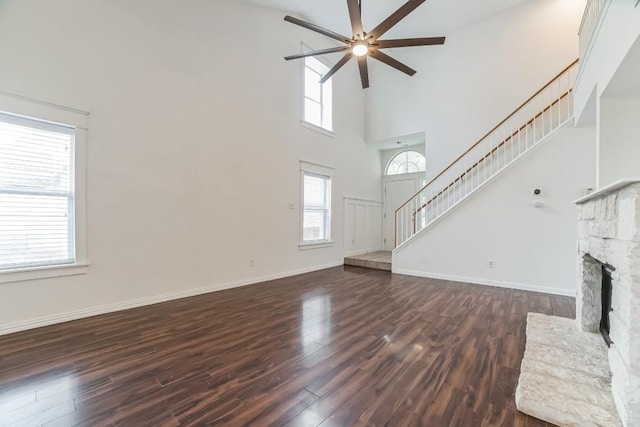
<point x="406" y="162"/>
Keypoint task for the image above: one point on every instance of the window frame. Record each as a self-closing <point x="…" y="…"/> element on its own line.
<point x="312" y="169"/>
<point x="396" y="155"/>
<point x="323" y="127"/>
<point x="48" y="113"/>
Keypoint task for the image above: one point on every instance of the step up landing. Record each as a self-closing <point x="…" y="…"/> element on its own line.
<point x="380" y="260"/>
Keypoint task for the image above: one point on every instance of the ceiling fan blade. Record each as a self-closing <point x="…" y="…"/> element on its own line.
<point x="356" y="19"/>
<point x="317" y="29"/>
<point x="336" y="67"/>
<point x="393" y="19"/>
<point x="391" y="62"/>
<point x="423" y="41"/>
<point x="318" y="52"/>
<point x="364" y="71"/>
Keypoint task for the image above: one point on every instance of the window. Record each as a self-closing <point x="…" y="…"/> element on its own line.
<point x="316" y="220"/>
<point x="406" y="162"/>
<point x="317" y="97"/>
<point x="41" y="190"/>
<point x="36" y="194"/>
<point x="316" y="204"/>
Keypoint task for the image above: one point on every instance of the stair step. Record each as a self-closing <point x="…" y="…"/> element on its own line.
<point x="375" y="260"/>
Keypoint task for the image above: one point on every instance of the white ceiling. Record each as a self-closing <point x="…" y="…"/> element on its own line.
<point x="432" y="18"/>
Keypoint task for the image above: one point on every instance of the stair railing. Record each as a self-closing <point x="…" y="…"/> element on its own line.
<point x="545" y="111"/>
<point x="590" y="18"/>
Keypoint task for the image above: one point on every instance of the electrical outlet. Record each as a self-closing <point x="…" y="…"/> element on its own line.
<point x="491" y="264"/>
<point x="251" y="263"/>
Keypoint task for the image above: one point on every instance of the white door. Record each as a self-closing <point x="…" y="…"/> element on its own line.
<point x="396" y="192"/>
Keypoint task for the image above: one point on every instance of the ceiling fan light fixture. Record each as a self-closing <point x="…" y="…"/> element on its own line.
<point x="360" y="49"/>
<point x="365" y="45"/>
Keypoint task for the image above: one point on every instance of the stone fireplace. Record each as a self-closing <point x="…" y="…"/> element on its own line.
<point x="609" y="234"/>
<point x="568" y="375"/>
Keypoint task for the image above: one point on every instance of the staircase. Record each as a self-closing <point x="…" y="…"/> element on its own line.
<point x="547" y="110"/>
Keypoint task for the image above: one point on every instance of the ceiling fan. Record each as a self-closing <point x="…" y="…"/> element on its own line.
<point x="364" y="44"/>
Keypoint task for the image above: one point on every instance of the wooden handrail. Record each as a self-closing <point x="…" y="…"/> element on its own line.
<point x="490" y="153"/>
<point x="490" y="132"/>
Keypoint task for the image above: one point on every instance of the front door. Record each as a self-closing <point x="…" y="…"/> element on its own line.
<point x="396" y="192"/>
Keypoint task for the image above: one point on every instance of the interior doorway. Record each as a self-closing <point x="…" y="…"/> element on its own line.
<point x="404" y="173"/>
<point x="397" y="190"/>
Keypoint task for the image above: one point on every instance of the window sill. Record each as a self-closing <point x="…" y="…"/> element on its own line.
<point x="317" y="128"/>
<point x="34" y="273"/>
<point x="315" y="245"/>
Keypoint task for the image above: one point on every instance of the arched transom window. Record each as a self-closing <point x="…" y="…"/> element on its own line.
<point x="406" y="162"/>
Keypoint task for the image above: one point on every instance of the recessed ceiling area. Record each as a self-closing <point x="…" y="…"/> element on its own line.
<point x="431" y="18"/>
<point x="400" y="141"/>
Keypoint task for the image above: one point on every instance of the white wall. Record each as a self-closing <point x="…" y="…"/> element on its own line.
<point x="481" y="74"/>
<point x="194" y="144"/>
<point x="619" y="140"/>
<point x="532" y="248"/>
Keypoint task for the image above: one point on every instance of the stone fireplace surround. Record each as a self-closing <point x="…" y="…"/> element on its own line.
<point x="568" y="376"/>
<point x="609" y="233"/>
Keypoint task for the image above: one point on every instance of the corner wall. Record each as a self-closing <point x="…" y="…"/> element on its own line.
<point x="531" y="248"/>
<point x="619" y="130"/>
<point x="194" y="146"/>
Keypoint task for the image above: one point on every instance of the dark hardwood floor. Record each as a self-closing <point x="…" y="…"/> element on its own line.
<point x="340" y="347"/>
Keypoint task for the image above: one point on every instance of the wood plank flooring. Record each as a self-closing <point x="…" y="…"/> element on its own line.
<point x="345" y="346"/>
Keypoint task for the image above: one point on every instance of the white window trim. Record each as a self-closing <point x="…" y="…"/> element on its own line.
<point x="303" y="122"/>
<point x="44" y="111"/>
<point x="316" y="128"/>
<point x="317" y="169"/>
<point x="315" y="245"/>
<point x="393" y="157"/>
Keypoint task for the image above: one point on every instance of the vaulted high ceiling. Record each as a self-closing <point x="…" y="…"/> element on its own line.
<point x="434" y="17"/>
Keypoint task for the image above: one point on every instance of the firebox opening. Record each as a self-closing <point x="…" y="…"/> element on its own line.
<point x="606" y="303"/>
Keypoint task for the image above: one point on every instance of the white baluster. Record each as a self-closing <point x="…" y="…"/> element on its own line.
<point x="401" y="230"/>
<point x="560" y="91"/>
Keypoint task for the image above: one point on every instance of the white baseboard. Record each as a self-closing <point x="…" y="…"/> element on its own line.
<point x="110" y="308"/>
<point x="485" y="282"/>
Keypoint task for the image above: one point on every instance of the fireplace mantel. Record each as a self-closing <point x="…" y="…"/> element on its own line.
<point x="606" y="190"/>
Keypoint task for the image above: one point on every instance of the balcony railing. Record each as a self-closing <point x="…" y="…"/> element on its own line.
<point x="590" y="19"/>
